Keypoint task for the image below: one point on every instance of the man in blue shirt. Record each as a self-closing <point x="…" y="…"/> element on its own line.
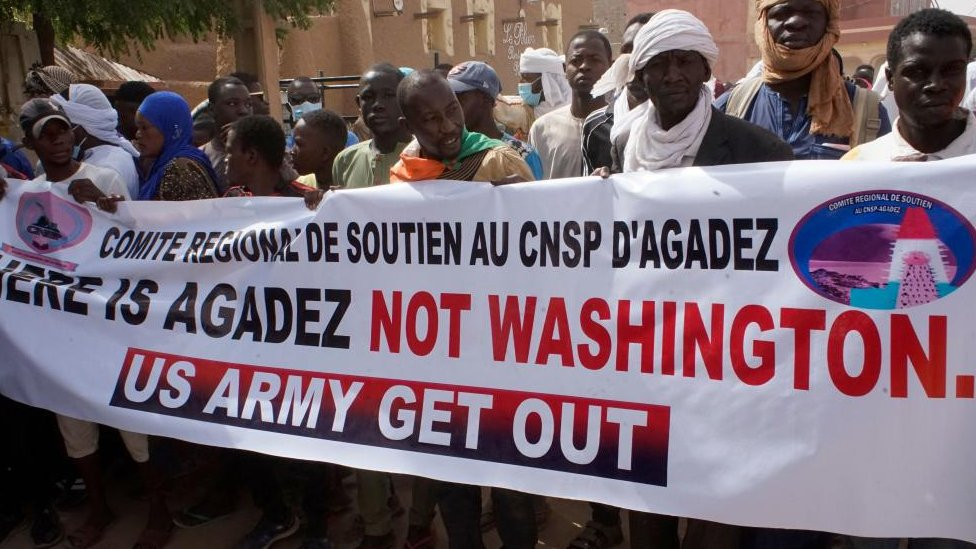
<point x="476" y="85"/>
<point x="802" y="95"/>
<point x="13" y="157"/>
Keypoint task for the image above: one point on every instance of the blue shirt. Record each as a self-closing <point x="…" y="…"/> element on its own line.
<point x="351" y="139"/>
<point x="771" y="111"/>
<point x="528" y="152"/>
<point x="15" y="159"/>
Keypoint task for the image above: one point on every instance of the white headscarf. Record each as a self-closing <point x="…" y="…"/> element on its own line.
<point x="650" y="146"/>
<point x="88" y="107"/>
<point x="615" y="81"/>
<point x="551" y="66"/>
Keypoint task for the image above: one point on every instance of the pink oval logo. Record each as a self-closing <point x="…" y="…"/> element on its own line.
<point x="48" y="223"/>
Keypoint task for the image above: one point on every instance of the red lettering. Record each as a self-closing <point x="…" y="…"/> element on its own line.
<point x="667" y="338"/>
<point x="596" y="332"/>
<point x="764" y="350"/>
<point x="509" y="325"/>
<point x="422" y="300"/>
<point x="454" y="304"/>
<point x="694" y="337"/>
<point x="642" y="334"/>
<point x="386" y="321"/>
<point x="549" y="342"/>
<point x="905" y="347"/>
<point x="861" y="384"/>
<point x="802" y="322"/>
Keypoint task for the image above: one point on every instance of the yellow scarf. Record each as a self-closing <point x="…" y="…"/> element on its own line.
<point x="828" y="102"/>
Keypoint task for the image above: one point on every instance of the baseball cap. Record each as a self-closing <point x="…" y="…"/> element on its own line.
<point x="474" y="75"/>
<point x="36" y="113"/>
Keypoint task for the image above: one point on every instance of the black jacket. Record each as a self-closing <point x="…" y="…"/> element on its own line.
<point x="727" y="140"/>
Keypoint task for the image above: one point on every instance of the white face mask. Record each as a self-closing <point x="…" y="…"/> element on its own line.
<point x="306" y="107"/>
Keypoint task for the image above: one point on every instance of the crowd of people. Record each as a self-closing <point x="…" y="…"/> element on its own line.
<point x="654" y="106"/>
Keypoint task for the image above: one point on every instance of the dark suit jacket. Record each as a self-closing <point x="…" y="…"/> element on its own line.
<point x="727" y="140"/>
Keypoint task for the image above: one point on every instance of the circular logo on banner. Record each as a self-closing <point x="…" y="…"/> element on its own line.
<point x="48" y="223"/>
<point x="883" y="249"/>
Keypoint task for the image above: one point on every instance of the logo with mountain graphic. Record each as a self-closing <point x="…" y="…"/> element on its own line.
<point x="883" y="250"/>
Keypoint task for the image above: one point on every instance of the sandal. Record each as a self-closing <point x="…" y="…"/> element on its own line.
<point x="90" y="533"/>
<point x="597" y="536"/>
<point x="154" y="538"/>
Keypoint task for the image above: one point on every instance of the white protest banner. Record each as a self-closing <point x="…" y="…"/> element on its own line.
<point x="785" y="345"/>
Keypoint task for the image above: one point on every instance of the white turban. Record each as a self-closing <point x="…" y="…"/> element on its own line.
<point x="88" y="107"/>
<point x="650" y="146"/>
<point x="614" y="81"/>
<point x="671" y="30"/>
<point x="551" y="66"/>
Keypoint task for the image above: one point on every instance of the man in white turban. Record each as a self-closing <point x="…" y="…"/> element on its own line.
<point x="97" y="140"/>
<point x="673" y="55"/>
<point x="543" y="85"/>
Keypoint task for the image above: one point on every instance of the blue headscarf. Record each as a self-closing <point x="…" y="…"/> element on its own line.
<point x="170" y="114"/>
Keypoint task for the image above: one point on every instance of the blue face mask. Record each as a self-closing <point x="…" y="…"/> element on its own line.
<point x="529" y="98"/>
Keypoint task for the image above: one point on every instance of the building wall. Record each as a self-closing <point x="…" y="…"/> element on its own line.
<point x="612" y="15"/>
<point x="730" y="23"/>
<point x="18" y="51"/>
<point x="864" y="9"/>
<point x="865" y="41"/>
<point x="362" y="32"/>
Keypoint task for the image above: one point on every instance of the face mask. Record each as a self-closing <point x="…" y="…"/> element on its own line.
<point x="305" y="107"/>
<point x="529" y="98"/>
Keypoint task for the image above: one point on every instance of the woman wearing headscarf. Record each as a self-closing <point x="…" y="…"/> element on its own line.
<point x="174" y="168"/>
<point x="802" y="95"/>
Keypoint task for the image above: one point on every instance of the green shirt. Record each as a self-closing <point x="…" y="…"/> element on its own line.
<point x="362" y="165"/>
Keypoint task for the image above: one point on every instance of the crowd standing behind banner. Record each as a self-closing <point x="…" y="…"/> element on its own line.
<point x="584" y="113"/>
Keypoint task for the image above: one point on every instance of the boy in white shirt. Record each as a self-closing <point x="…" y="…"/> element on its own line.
<point x="928" y="52"/>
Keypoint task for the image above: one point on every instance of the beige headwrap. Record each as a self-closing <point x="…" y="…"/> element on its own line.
<point x="829" y="105"/>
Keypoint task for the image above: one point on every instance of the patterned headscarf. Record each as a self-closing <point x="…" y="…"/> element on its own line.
<point x="57" y="79"/>
<point x="829" y="104"/>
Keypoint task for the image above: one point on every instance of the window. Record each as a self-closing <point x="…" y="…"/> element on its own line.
<point x="436" y="26"/>
<point x="552" y="26"/>
<point x="481" y="27"/>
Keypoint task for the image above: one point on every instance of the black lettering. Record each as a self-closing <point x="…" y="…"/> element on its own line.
<point x="770" y="225"/>
<point x="135" y="316"/>
<point x="740" y="243"/>
<point x="331" y="241"/>
<point x="571" y="232"/>
<point x="696" y="246"/>
<point x="225" y="314"/>
<point x="306" y="315"/>
<point x="341" y="298"/>
<point x="527" y="256"/>
<point x="192" y="254"/>
<point x="106" y="250"/>
<point x="182" y="310"/>
<point x="671" y="227"/>
<point x="113" y="301"/>
<point x="621" y="245"/>
<point x="718" y="231"/>
<point x="355" y="251"/>
<point x="250" y="318"/>
<point x="273" y="297"/>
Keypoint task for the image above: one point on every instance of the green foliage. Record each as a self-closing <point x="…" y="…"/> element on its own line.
<point x="117" y="27"/>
